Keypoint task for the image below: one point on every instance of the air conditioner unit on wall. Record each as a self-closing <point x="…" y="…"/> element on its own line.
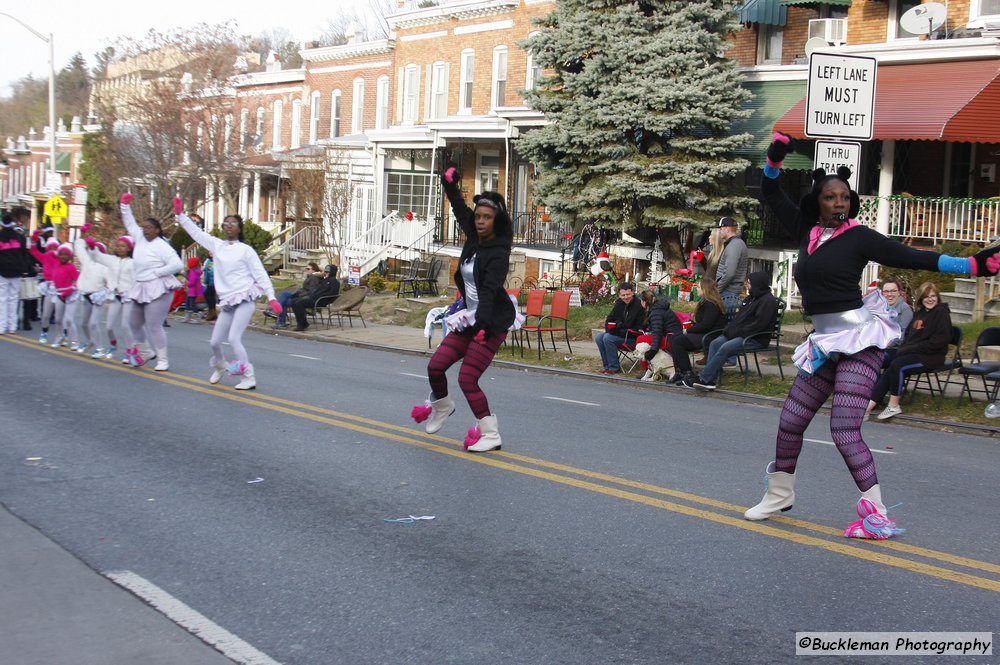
<point x="833" y="30"/>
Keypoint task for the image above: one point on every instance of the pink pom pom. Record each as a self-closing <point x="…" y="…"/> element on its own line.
<point x="866" y="507"/>
<point x="85" y="228"/>
<point x="421" y="412"/>
<point x="178" y="205"/>
<point x="449" y="175"/>
<point x="236" y="368"/>
<point x="472" y="437"/>
<point x="993" y="264"/>
<point x="275" y="306"/>
<point x="126" y="198"/>
<point x="855" y="530"/>
<point x="480" y="337"/>
<point x="781" y="138"/>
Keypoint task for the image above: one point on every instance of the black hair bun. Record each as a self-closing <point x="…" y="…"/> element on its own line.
<point x="843" y="172"/>
<point x="818" y="175"/>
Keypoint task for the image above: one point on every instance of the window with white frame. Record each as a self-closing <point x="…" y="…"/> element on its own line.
<point x="276" y="111"/>
<point x="982" y="8"/>
<point x="896" y="9"/>
<point x="335" y="114"/>
<point x="534" y="70"/>
<point x="411" y="93"/>
<point x="466" y="76"/>
<point x="382" y="103"/>
<point x="439" y="90"/>
<point x="258" y="137"/>
<point x="227" y="134"/>
<point x="358" y="106"/>
<point x="408" y="180"/>
<point x="314" y="110"/>
<point x="244" y="128"/>
<point x="770" y="39"/>
<point x="499" y="76"/>
<point x="296" y="123"/>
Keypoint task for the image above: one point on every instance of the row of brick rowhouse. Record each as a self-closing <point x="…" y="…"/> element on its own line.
<point x="378" y="117"/>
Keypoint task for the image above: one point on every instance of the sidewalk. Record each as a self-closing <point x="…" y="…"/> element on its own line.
<point x="54" y="610"/>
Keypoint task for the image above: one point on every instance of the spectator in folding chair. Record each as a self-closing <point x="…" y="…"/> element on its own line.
<point x="708" y="316"/>
<point x="662" y="323"/>
<point x="328" y="288"/>
<point x="925" y="345"/>
<point x="626" y="315"/>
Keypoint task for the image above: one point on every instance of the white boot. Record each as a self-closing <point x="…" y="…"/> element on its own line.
<point x="248" y="382"/>
<point x="875" y="496"/>
<point x="489" y="437"/>
<point x="187" y="316"/>
<point x="443" y="408"/>
<point x="162" y="364"/>
<point x="145" y="353"/>
<point x="779" y="496"/>
<point x="218" y="371"/>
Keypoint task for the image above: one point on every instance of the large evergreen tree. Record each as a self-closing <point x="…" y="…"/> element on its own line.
<point x="640" y="105"/>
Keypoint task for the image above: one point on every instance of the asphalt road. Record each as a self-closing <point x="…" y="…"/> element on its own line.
<point x="608" y="530"/>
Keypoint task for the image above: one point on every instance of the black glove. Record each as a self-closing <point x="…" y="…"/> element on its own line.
<point x="987" y="262"/>
<point x="778" y="149"/>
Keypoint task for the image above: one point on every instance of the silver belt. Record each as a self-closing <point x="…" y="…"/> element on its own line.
<point x="854" y="319"/>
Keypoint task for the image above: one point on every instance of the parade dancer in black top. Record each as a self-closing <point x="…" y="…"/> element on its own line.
<point x="844" y="354"/>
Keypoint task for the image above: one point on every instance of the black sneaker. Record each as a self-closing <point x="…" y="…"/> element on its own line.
<point x="687" y="381"/>
<point x="269" y="314"/>
<point x="675" y="378"/>
<point x="704" y="385"/>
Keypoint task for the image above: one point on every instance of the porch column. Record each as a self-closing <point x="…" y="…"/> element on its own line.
<point x="885" y="185"/>
<point x="255" y="211"/>
<point x="210" y="207"/>
<point x="244" y="203"/>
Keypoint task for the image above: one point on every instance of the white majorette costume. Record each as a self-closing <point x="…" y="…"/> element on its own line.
<point x="154" y="265"/>
<point x="240" y="278"/>
<point x="94" y="292"/>
<point x="843" y="356"/>
<point x="120" y="281"/>
<point x="14" y="261"/>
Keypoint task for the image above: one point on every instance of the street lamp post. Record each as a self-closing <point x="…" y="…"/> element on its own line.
<point x="52" y="178"/>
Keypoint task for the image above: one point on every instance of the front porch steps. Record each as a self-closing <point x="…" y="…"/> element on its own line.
<point x="962" y="301"/>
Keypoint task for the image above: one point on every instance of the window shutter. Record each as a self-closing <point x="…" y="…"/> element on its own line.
<point x="400" y="75"/>
<point x="428" y="94"/>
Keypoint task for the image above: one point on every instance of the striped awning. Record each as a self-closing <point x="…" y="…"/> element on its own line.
<point x="934" y="101"/>
<point x="771" y="99"/>
<point x="766" y="12"/>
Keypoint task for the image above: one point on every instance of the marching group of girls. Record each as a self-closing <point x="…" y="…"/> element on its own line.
<point x="134" y="284"/>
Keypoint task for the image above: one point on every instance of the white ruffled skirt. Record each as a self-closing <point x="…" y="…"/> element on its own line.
<point x="233" y="299"/>
<point x="147" y="292"/>
<point x="873" y="324"/>
<point x="464" y="318"/>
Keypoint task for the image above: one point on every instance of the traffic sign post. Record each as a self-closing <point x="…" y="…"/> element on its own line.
<point x="832" y="154"/>
<point x="840" y="101"/>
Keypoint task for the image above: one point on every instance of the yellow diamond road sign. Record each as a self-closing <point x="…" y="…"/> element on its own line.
<point x="56" y="208"/>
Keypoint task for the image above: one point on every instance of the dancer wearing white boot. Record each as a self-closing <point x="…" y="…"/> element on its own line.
<point x="120" y="281"/>
<point x="94" y="293"/>
<point x="240" y="278"/>
<point x="154" y="264"/>
<point x="476" y="332"/>
<point x="843" y="356"/>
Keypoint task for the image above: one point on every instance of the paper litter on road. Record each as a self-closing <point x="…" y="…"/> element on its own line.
<point x="258" y="479"/>
<point x="408" y="520"/>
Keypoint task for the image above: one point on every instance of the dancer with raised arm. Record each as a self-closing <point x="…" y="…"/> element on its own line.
<point x="844" y="354"/>
<point x="120" y="282"/>
<point x="63" y="291"/>
<point x="155" y="265"/>
<point x="94" y="293"/>
<point x="240" y="278"/>
<point x="476" y="332"/>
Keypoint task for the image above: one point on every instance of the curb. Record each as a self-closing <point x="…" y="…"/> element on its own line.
<point x="731" y="395"/>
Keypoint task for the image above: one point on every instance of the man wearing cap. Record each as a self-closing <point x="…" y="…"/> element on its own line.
<point x="732" y="270"/>
<point x="328" y="287"/>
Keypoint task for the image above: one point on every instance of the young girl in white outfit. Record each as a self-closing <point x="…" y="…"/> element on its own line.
<point x="155" y="264"/>
<point x="94" y="292"/>
<point x="240" y="278"/>
<point x="120" y="281"/>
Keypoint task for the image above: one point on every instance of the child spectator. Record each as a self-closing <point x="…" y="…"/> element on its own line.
<point x="195" y="289"/>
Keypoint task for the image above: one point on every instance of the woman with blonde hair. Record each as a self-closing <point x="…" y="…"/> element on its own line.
<point x="709" y="315"/>
<point x="925" y="345"/>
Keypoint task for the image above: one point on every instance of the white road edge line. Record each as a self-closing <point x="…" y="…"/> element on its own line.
<point x="419" y="376"/>
<point x="571" y="401"/>
<point x="194" y="622"/>
<point x="831" y="443"/>
<point x="295" y="355"/>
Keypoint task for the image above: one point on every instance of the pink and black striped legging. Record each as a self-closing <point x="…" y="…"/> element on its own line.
<point x="850" y="379"/>
<point x="475" y="358"/>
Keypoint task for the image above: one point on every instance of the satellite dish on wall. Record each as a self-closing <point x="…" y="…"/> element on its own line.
<point x="924" y="19"/>
<point x="815" y="43"/>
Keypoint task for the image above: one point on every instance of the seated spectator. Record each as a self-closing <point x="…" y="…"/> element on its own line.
<point x="756" y="315"/>
<point x="313" y="276"/>
<point x="925" y="345"/>
<point x="327" y="288"/>
<point x="708" y="316"/>
<point x="627" y="314"/>
<point x="660" y="321"/>
<point x="904" y="314"/>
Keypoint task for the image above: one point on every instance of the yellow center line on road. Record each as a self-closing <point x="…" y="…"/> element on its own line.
<point x="378" y="429"/>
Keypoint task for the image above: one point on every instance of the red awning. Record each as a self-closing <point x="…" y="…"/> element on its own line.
<point x="939" y="101"/>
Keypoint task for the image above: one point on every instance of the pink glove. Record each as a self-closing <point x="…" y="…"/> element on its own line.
<point x="275" y="306"/>
<point x="178" y="205"/>
<point x="480" y="337"/>
<point x="450" y="174"/>
<point x="85" y="228"/>
<point x="126" y="198"/>
<point x="36" y="234"/>
<point x="90" y="242"/>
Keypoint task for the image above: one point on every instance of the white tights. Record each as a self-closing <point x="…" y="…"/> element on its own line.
<point x="65" y="313"/>
<point x="150" y="316"/>
<point x="117" y="324"/>
<point x="90" y="322"/>
<point x="229" y="327"/>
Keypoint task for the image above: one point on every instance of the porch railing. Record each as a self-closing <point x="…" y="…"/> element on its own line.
<point x="392" y="235"/>
<point x="938" y="219"/>
<point x="530" y="228"/>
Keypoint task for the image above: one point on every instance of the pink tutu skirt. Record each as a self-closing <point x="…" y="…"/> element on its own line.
<point x="847" y="333"/>
<point x="147" y="292"/>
